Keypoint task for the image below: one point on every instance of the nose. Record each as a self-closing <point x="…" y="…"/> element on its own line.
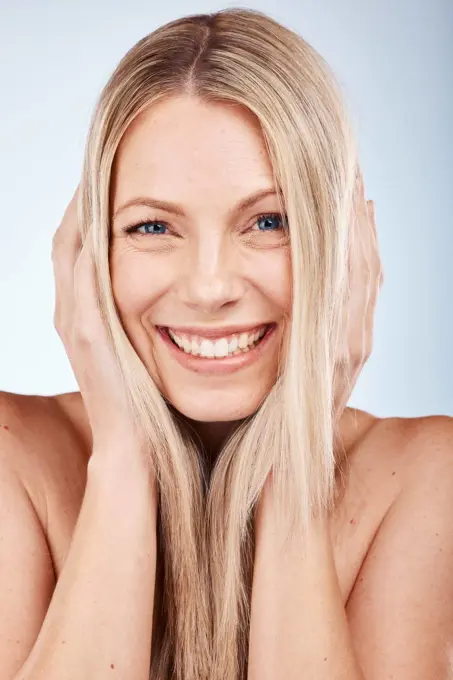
<point x="211" y="280"/>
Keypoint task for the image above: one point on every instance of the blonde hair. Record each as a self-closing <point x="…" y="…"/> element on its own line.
<point x="202" y="607"/>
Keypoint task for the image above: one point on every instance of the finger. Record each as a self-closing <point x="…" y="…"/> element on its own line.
<point x="359" y="178"/>
<point x="359" y="195"/>
<point x="376" y="254"/>
<point x="92" y="335"/>
<point x="86" y="305"/>
<point x="364" y="276"/>
<point x="66" y="235"/>
<point x="371" y="216"/>
<point x="380" y="272"/>
<point x="65" y="249"/>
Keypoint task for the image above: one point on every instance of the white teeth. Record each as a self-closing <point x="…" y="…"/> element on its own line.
<point x="233" y="345"/>
<point x="174" y="337"/>
<point x="243" y="340"/>
<point x="195" y="347"/>
<point x="192" y="344"/>
<point x="207" y="349"/>
<point x="221" y="347"/>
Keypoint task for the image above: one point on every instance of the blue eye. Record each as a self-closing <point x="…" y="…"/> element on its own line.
<point x="271" y="222"/>
<point x="156" y="227"/>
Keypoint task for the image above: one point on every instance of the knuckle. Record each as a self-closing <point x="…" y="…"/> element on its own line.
<point x="55" y="249"/>
<point x="62" y="327"/>
<point x="57" y="237"/>
<point x="85" y="335"/>
<point x="84" y="326"/>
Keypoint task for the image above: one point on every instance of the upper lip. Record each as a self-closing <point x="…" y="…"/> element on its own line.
<point x="218" y="332"/>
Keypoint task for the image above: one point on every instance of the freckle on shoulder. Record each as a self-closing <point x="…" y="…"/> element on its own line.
<point x="429" y="446"/>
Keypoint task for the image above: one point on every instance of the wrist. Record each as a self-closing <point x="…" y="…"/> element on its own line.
<point x="271" y="535"/>
<point x="122" y="467"/>
<point x="265" y="515"/>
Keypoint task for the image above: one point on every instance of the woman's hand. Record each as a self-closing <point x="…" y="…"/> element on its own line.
<point x="79" y="324"/>
<point x="366" y="279"/>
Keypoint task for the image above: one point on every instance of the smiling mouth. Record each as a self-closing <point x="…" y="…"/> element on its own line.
<point x="220" y="348"/>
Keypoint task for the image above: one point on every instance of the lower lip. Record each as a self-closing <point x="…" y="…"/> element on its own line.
<point x="220" y="366"/>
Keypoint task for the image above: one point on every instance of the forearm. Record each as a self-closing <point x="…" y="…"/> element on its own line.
<point x="100" y="616"/>
<point x="298" y="622"/>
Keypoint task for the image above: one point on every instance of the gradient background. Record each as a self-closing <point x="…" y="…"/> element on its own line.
<point x="394" y="60"/>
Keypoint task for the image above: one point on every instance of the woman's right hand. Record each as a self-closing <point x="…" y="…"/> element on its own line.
<point x="79" y="324"/>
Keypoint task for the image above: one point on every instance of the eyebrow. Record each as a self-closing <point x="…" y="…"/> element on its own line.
<point x="176" y="209"/>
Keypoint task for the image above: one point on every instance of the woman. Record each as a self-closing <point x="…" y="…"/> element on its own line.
<point x="207" y="495"/>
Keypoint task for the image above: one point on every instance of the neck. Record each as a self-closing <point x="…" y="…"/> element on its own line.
<point x="212" y="436"/>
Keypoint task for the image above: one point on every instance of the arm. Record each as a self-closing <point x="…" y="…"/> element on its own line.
<point x="100" y="614"/>
<point x="399" y="619"/>
<point x="298" y="622"/>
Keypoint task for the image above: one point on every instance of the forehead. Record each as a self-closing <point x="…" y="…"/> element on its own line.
<point x="185" y="144"/>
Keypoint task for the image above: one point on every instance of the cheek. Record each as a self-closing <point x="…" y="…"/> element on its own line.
<point x="273" y="277"/>
<point x="137" y="284"/>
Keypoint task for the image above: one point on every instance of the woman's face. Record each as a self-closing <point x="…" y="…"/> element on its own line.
<point x="208" y="272"/>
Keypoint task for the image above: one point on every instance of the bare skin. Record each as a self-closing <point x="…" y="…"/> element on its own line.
<point x="54" y="472"/>
<point x="386" y="459"/>
<point x="210" y="267"/>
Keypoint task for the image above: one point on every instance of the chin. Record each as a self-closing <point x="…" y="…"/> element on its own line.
<point x="209" y="406"/>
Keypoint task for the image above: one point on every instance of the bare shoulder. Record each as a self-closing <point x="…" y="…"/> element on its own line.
<point x="405" y="447"/>
<point x="399" y="609"/>
<point x="44" y="439"/>
<point x="387" y="459"/>
<point x="400" y="448"/>
<point x="424" y="460"/>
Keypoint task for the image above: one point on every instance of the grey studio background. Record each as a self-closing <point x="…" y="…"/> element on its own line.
<point x="394" y="59"/>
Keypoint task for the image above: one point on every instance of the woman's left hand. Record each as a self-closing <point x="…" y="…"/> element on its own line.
<point x="366" y="279"/>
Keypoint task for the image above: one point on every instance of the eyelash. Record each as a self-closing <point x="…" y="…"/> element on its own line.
<point x="134" y="227"/>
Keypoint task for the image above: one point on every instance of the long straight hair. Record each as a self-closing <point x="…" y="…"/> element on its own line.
<point x="205" y="538"/>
